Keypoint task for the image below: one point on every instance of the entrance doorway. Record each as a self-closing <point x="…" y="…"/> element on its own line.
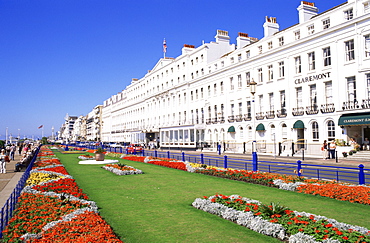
<point x="300" y="138"/>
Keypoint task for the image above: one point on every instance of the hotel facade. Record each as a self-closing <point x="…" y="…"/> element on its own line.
<point x="312" y="84"/>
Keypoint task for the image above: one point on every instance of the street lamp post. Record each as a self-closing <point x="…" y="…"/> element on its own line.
<point x="252" y="88"/>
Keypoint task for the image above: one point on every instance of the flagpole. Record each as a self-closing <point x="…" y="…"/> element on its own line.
<point x="164" y="48"/>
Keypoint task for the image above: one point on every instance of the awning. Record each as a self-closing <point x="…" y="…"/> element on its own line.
<point x="260" y="127"/>
<point x="354" y="120"/>
<point x="231" y="129"/>
<point x="298" y="125"/>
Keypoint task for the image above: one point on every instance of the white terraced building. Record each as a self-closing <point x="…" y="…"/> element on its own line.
<point x="313" y="84"/>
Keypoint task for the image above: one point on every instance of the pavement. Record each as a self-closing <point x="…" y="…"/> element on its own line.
<point x="9" y="180"/>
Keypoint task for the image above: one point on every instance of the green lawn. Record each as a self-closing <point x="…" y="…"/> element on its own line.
<point x="156" y="206"/>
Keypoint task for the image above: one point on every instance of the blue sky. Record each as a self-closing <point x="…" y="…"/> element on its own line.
<point x="67" y="56"/>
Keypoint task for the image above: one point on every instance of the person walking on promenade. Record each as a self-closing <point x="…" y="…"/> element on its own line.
<point x="13" y="148"/>
<point x="20" y="147"/>
<point x="2" y="161"/>
<point x="324" y="150"/>
<point x="332" y="148"/>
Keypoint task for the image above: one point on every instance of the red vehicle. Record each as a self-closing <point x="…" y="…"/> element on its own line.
<point x="134" y="148"/>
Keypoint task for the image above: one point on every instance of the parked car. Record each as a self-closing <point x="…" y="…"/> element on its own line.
<point x="134" y="148"/>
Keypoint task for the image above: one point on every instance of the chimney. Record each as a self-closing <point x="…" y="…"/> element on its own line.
<point x="306" y="11"/>
<point x="242" y="40"/>
<point x="222" y="36"/>
<point x="270" y="26"/>
<point x="187" y="49"/>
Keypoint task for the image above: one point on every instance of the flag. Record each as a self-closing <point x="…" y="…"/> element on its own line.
<point x="40" y="126"/>
<point x="164" y="46"/>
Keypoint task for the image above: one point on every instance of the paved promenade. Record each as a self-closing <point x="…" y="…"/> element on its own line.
<point x="9" y="180"/>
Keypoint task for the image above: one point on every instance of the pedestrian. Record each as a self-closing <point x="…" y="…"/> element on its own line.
<point x="2" y="162"/>
<point x="324" y="149"/>
<point x="366" y="144"/>
<point x="21" y="163"/>
<point x="13" y="148"/>
<point x="332" y="148"/>
<point x="20" y="147"/>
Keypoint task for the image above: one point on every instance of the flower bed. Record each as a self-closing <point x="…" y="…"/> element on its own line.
<point x="86" y="157"/>
<point x="52" y="208"/>
<point x="281" y="222"/>
<point x="121" y="169"/>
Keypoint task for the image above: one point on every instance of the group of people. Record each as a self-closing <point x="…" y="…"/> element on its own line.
<point x="328" y="149"/>
<point x="7" y="154"/>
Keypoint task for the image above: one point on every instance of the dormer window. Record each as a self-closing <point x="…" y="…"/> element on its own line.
<point x="260" y="50"/>
<point x="297" y="35"/>
<point x="348" y="14"/>
<point x="222" y="63"/>
<point x="239" y="57"/>
<point x="326" y="24"/>
<point x="232" y="60"/>
<point x="269" y="45"/>
<point x="281" y="41"/>
<point x="311" y="29"/>
<point x="248" y="54"/>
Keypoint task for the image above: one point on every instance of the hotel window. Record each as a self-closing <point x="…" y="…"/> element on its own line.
<point x="209" y="69"/>
<point x="201" y="93"/>
<point x="298" y="65"/>
<point x="222" y="110"/>
<point x="248" y="77"/>
<point x="315" y="131"/>
<point x="202" y="111"/>
<point x="216" y="66"/>
<point x="260" y="103"/>
<point x="239" y="81"/>
<point x="215" y="89"/>
<point x="248" y="54"/>
<point x="240" y="108"/>
<point x="183" y="77"/>
<point x="351" y="89"/>
<point x="367" y="45"/>
<point x="196" y="94"/>
<point x="270" y="45"/>
<point x="298" y="93"/>
<point x="222" y="63"/>
<point x="209" y="112"/>
<point x="222" y="87"/>
<point x="331" y="130"/>
<point x="232" y="60"/>
<point x="313" y="96"/>
<point x="260" y="50"/>
<point x="215" y="111"/>
<point x="368" y="85"/>
<point x="328" y="92"/>
<point x="192" y="62"/>
<point x="281" y="41"/>
<point x="231" y="83"/>
<point x="281" y="69"/>
<point x="282" y="99"/>
<point x="284" y="131"/>
<point x="239" y="57"/>
<point x="311" y="29"/>
<point x="270" y="73"/>
<point x="184" y="98"/>
<point x="326" y="24"/>
<point x="209" y="90"/>
<point x="260" y="75"/>
<point x="231" y="109"/>
<point x="202" y="71"/>
<point x="327" y="56"/>
<point x="249" y="109"/>
<point x="348" y="14"/>
<point x="311" y="61"/>
<point x="297" y="35"/>
<point x="271" y="101"/>
<point x="350" y="50"/>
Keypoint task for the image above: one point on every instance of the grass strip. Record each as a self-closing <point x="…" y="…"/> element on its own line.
<point x="156" y="206"/>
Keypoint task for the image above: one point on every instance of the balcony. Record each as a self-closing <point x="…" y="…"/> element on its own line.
<point x="260" y="115"/>
<point x="239" y="118"/>
<point x="365" y="104"/>
<point x="214" y="120"/>
<point x="281" y="113"/>
<point x="350" y="105"/>
<point x="208" y="121"/>
<point x="270" y="114"/>
<point x="327" y="108"/>
<point x="247" y="117"/>
<point x="299" y="111"/>
<point x="231" y="119"/>
<point x="311" y="110"/>
<point x="221" y="119"/>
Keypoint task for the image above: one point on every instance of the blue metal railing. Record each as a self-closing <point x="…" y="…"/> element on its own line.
<point x="10" y="205"/>
<point x="324" y="172"/>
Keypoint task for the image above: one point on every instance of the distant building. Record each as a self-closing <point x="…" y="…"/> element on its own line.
<point x="66" y="130"/>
